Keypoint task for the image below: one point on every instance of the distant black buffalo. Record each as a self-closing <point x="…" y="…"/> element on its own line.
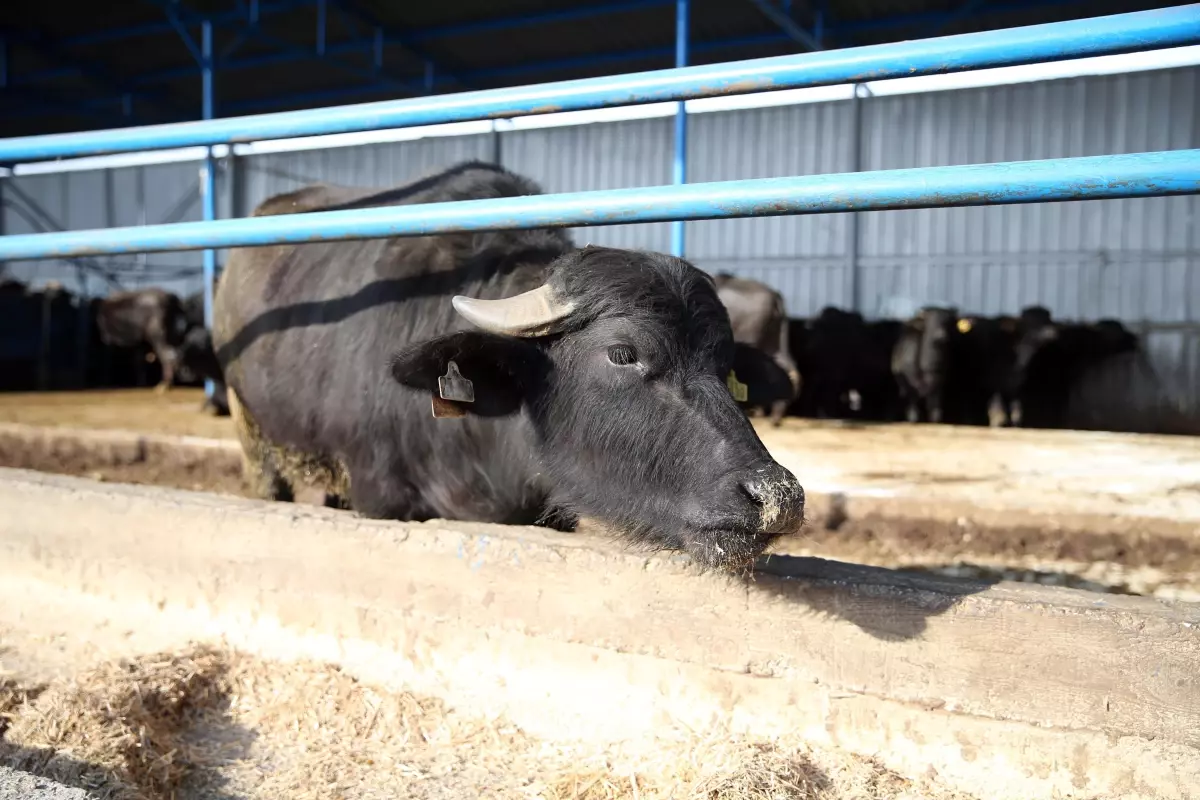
<point x="599" y="379"/>
<point x="153" y="317"/>
<point x="759" y="319"/>
<point x="922" y="361"/>
<point x="1057" y="360"/>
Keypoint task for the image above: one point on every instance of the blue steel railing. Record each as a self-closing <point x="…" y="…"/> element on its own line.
<point x="1137" y="175"/>
<point x="1094" y="177"/>
<point x="1121" y="33"/>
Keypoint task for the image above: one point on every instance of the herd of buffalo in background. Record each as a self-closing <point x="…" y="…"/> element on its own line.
<point x="938" y="366"/>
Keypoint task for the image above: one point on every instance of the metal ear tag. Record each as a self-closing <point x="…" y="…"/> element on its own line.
<point x="453" y="389"/>
<point x="736" y="387"/>
<point x="453" y="386"/>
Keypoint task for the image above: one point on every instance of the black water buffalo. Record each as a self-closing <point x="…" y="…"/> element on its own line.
<point x="922" y="361"/>
<point x="830" y="350"/>
<point x="759" y="319"/>
<point x="1058" y="359"/>
<point x="593" y="381"/>
<point x="879" y="398"/>
<point x="154" y="317"/>
<point x="198" y="362"/>
<point x="980" y="387"/>
<point x="198" y="359"/>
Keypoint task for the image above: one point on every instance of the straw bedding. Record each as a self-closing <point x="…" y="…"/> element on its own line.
<point x="210" y="723"/>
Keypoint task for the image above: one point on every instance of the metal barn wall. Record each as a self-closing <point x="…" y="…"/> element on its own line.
<point x="100" y="199"/>
<point x="1131" y="259"/>
<point x="1135" y="260"/>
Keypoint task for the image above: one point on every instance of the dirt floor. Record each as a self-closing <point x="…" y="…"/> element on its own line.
<point x="175" y="412"/>
<point x="136" y="703"/>
<point x="1051" y="471"/>
<point x="1146" y="489"/>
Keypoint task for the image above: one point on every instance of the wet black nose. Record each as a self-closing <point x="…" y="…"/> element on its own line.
<point x="778" y="495"/>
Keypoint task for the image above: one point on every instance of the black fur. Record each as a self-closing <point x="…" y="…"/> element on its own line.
<point x="334" y="350"/>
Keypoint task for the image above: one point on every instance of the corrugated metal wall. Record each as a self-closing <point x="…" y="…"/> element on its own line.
<point x="1136" y="260"/>
<point x="101" y="199"/>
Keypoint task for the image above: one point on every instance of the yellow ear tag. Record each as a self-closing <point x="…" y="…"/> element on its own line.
<point x="736" y="388"/>
<point x="964" y="325"/>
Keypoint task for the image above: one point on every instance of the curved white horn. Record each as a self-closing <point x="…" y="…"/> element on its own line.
<point x="537" y="312"/>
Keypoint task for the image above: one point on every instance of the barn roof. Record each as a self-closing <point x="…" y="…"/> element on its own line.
<point x="84" y="65"/>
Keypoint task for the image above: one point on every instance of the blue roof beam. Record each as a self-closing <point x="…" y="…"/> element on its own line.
<point x="94" y="73"/>
<point x="530" y="20"/>
<point x="1110" y="35"/>
<point x="402" y="38"/>
<point x="838" y="30"/>
<point x="220" y="19"/>
<point x="785" y="23"/>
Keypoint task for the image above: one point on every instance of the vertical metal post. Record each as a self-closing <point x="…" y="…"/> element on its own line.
<point x="378" y="49"/>
<point x="208" y="186"/>
<point x="3" y="264"/>
<point x="679" y="175"/>
<point x="429" y="77"/>
<point x="852" y="244"/>
<point x="322" y="15"/>
<point x="3" y="62"/>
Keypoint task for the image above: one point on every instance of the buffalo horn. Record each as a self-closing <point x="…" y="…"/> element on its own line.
<point x="537" y="312"/>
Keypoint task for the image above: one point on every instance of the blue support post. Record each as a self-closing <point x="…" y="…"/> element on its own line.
<point x="679" y="173"/>
<point x="322" y="19"/>
<point x="209" y="185"/>
<point x="1120" y="33"/>
<point x="1089" y="178"/>
<point x="820" y="20"/>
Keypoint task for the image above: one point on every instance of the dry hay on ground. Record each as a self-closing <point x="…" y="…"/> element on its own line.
<point x="210" y="723"/>
<point x="115" y="729"/>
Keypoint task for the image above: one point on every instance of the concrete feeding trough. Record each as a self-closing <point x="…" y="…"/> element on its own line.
<point x="1006" y="691"/>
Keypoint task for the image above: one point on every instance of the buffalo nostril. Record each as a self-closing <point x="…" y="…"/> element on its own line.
<point x="780" y="502"/>
<point x="754" y="491"/>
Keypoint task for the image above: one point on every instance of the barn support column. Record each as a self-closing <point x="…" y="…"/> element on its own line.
<point x="208" y="186"/>
<point x="852" y="224"/>
<point x="679" y="175"/>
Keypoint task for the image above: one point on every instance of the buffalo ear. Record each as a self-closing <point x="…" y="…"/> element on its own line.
<point x="766" y="382"/>
<point x="497" y="370"/>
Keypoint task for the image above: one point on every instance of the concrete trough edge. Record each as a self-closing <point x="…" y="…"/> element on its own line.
<point x="1006" y="691"/>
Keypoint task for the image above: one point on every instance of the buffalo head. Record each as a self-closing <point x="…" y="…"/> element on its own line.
<point x="624" y="364"/>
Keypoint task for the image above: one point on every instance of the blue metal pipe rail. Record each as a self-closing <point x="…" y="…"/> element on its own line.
<point x="1146" y="30"/>
<point x="1094" y="177"/>
<point x="679" y="166"/>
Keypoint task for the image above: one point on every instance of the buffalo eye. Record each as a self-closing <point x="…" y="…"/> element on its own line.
<point x="622" y="355"/>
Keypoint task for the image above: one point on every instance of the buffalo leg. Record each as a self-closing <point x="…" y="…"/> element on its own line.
<point x="260" y="467"/>
<point x="778" y="408"/>
<point x="933" y="406"/>
<point x="1015" y="413"/>
<point x="999" y="413"/>
<point x="167" y="358"/>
